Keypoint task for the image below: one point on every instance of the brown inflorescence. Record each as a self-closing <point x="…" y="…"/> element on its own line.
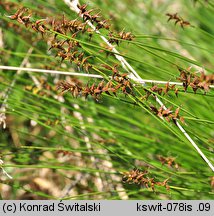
<point x="114" y="37"/>
<point x="168" y="114"/>
<point x="159" y="90"/>
<point x="121" y="83"/>
<point x="142" y="178"/>
<point x="71" y="50"/>
<point x="178" y="20"/>
<point x="196" y="82"/>
<point x="94" y="17"/>
<point x="66" y="49"/>
<point x="170" y="161"/>
<point x="102" y="23"/>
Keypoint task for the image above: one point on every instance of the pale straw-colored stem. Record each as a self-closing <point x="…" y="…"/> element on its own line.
<point x="160" y="82"/>
<point x="195" y="146"/>
<point x="73" y="4"/>
<point x="51" y="71"/>
<point x="188" y="137"/>
<point x="37" y="70"/>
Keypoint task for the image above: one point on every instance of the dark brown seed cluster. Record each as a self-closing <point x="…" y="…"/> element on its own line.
<point x="65" y="26"/>
<point x="69" y="50"/>
<point x="114" y="37"/>
<point x="20" y="17"/>
<point x="8" y="6"/>
<point x="142" y="178"/>
<point x="178" y="20"/>
<point x="72" y="51"/>
<point x="66" y="49"/>
<point x="121" y="83"/>
<point x="168" y="114"/>
<point x="122" y="79"/>
<point x="160" y="90"/>
<point x="94" y="17"/>
<point x="62" y="26"/>
<point x="69" y="86"/>
<point x="194" y="81"/>
<point x="24" y="19"/>
<point x="170" y="161"/>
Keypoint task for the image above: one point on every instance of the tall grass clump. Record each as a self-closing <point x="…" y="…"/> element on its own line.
<point x="106" y="101"/>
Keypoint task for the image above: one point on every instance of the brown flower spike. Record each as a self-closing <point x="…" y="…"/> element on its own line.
<point x="178" y="20"/>
<point x="141" y="178"/>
